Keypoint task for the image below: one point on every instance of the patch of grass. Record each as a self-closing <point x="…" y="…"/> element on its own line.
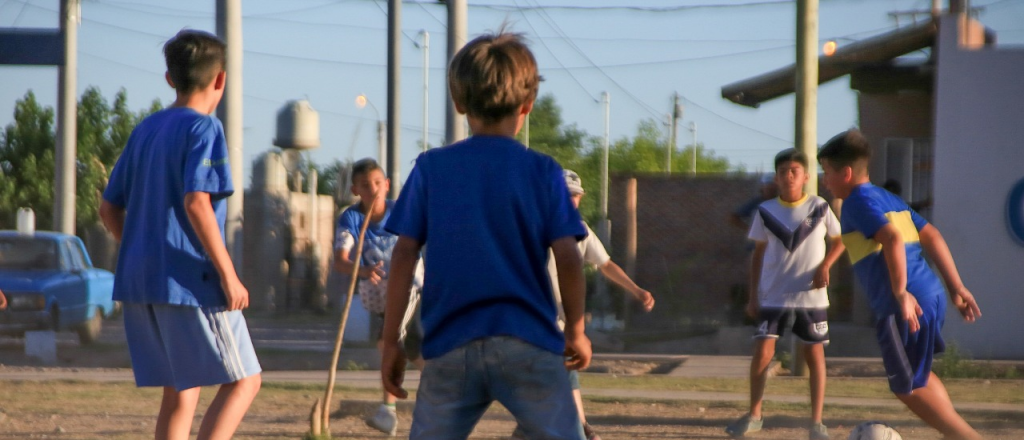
<point x="957" y="363"/>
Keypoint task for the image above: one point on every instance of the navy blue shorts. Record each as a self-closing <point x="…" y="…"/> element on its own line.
<point x="908" y="356"/>
<point x="810" y="325"/>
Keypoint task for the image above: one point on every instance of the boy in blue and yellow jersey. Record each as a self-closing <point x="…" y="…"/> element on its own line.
<point x="885" y="240"/>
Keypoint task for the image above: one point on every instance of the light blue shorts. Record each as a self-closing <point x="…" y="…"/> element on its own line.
<point x="457" y="387"/>
<point x="186" y="347"/>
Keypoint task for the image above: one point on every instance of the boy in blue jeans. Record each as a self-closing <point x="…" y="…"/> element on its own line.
<point x="487" y="209"/>
<point x="370" y="184"/>
<point x="885" y="240"/>
<point x="182" y="299"/>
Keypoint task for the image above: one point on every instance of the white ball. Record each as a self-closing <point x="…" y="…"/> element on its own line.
<point x="874" y="431"/>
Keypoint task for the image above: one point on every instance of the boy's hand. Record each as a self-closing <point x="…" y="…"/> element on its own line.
<point x="644" y="297"/>
<point x="3" y="301"/>
<point x="964" y="302"/>
<point x="373" y="274"/>
<point x="909" y="310"/>
<point x="577" y="352"/>
<point x="752" y="309"/>
<point x="820" y="277"/>
<point x="236" y="294"/>
<point x="392" y="369"/>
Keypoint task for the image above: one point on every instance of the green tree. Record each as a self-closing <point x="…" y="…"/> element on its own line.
<point x="27" y="150"/>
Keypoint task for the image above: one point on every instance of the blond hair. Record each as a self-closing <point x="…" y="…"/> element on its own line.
<point x="493" y="76"/>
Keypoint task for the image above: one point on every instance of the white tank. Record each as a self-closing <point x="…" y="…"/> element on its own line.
<point x="298" y="126"/>
<point x="26" y="221"/>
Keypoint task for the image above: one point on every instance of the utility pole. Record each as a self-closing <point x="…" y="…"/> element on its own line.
<point x="455" y="124"/>
<point x="676" y="114"/>
<point x="806" y="111"/>
<point x="693" y="132"/>
<point x="229" y="28"/>
<point x="601" y="299"/>
<point x="67" y="121"/>
<point x="394" y="92"/>
<point x="426" y="83"/>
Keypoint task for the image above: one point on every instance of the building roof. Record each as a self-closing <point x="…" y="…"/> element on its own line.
<point x="870" y="52"/>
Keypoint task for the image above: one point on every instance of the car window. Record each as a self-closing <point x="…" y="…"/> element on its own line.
<point x="76" y="259"/>
<point x="28" y="253"/>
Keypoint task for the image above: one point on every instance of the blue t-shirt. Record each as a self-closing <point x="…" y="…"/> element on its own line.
<point x="864" y="212"/>
<point x="487" y="209"/>
<point x="169" y="154"/>
<point x="377" y="244"/>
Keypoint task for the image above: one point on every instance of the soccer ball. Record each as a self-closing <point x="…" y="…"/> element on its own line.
<point x="874" y="431"/>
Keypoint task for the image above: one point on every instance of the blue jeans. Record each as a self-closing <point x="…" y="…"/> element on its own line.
<point x="458" y="387"/>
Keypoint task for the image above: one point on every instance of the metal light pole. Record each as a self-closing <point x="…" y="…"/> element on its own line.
<point x="426" y="72"/>
<point x="382" y="152"/>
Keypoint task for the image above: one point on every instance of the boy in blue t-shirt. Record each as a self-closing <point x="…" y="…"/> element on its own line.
<point x="370" y="184"/>
<point x="487" y="209"/>
<point x="885" y="240"/>
<point x="182" y="298"/>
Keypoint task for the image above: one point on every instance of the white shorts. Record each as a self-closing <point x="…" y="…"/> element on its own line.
<point x="186" y="347"/>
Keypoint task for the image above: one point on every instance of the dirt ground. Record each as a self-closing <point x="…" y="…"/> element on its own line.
<point x="95" y="410"/>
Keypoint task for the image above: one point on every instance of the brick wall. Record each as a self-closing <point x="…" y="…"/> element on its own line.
<point x="689" y="254"/>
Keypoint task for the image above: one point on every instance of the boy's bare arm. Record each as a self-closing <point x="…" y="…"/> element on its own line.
<point x="570" y="281"/>
<point x="113" y="218"/>
<point x="756" y="262"/>
<point x="3" y="300"/>
<point x="403" y="264"/>
<point x="204" y="222"/>
<point x="938" y="251"/>
<point x="836" y="249"/>
<point x="615" y="274"/>
<point x="896" y="261"/>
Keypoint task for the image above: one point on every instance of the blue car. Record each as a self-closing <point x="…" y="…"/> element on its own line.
<point x="50" y="284"/>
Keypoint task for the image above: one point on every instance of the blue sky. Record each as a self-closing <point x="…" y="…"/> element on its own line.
<point x="330" y="51"/>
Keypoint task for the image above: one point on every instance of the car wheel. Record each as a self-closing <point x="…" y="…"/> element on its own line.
<point x="89" y="331"/>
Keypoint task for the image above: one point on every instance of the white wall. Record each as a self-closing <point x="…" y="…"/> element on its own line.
<point x="979" y="156"/>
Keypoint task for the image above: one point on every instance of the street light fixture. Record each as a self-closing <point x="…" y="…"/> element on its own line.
<point x="382" y="152"/>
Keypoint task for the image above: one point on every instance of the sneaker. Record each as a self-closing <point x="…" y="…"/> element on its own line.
<point x="518" y="434"/>
<point x="743" y="426"/>
<point x="384" y="420"/>
<point x="589" y="433"/>
<point x="817" y="431"/>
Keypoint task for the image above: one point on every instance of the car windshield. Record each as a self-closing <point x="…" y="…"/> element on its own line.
<point x="27" y="253"/>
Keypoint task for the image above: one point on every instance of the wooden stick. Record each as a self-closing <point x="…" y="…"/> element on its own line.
<point x="326" y="408"/>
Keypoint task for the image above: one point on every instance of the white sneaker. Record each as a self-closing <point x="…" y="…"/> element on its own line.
<point x="384" y="420"/>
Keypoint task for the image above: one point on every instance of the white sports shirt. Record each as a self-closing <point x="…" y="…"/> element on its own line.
<point x="795" y="235"/>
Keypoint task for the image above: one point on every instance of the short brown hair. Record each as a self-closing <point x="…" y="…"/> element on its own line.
<point x="194" y="58"/>
<point x="364" y="167"/>
<point x="846" y="149"/>
<point x="493" y="75"/>
<point x="791" y="155"/>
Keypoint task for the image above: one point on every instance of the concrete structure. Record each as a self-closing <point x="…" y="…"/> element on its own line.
<point x="278" y="271"/>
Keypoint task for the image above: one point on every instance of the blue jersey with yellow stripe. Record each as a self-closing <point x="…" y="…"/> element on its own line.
<point x="864" y="212"/>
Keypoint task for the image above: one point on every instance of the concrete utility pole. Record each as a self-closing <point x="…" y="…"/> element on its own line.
<point x="394" y="92"/>
<point x="693" y="132"/>
<point x="426" y="83"/>
<point x="604" y="225"/>
<point x="67" y="121"/>
<point x="676" y="114"/>
<point x="806" y="111"/>
<point x="807" y="87"/>
<point x="455" y="124"/>
<point x="229" y="28"/>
